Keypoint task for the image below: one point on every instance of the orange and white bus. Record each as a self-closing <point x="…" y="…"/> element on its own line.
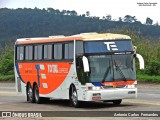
<point x="82" y="67"/>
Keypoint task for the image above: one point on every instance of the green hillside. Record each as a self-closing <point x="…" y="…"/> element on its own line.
<point x="18" y="23"/>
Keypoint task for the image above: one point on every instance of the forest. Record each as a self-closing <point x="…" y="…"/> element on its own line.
<point x="27" y="22"/>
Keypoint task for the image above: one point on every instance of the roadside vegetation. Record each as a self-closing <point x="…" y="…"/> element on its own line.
<point x="150" y="50"/>
<point x="7" y="63"/>
<point x="7" y="78"/>
<point x="151" y="72"/>
<point x="148" y="78"/>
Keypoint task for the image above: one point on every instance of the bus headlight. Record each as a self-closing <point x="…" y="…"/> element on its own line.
<point x="131" y="86"/>
<point x="94" y="88"/>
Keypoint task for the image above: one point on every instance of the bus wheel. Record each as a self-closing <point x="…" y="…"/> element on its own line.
<point x="117" y="102"/>
<point x="30" y="96"/>
<point x="74" y="97"/>
<point x="38" y="99"/>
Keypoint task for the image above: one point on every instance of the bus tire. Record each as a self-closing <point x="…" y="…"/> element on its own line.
<point x="74" y="97"/>
<point x="117" y="102"/>
<point x="38" y="99"/>
<point x="30" y="94"/>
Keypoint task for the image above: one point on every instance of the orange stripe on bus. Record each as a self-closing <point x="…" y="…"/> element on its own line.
<point x="119" y="83"/>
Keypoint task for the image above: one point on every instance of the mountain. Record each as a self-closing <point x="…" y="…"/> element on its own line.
<point x="24" y="23"/>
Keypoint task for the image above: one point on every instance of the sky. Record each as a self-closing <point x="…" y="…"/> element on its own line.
<point x="116" y="8"/>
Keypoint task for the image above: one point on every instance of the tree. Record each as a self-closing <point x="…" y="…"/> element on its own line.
<point x="50" y="9"/>
<point x="149" y="21"/>
<point x="103" y="18"/>
<point x="83" y="15"/>
<point x="57" y="12"/>
<point x="156" y="24"/>
<point x="87" y="13"/>
<point x="108" y="17"/>
<point x="120" y="19"/>
<point x="129" y="19"/>
<point x="64" y="12"/>
<point x="73" y="13"/>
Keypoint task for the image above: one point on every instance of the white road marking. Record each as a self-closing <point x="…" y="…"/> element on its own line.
<point x="7" y="92"/>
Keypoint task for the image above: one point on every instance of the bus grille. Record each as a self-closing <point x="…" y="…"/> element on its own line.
<point x="108" y="87"/>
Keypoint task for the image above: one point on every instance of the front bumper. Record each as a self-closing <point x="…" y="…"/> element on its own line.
<point x="111" y="94"/>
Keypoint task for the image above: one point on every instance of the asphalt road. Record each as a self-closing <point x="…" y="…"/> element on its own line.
<point x="148" y="100"/>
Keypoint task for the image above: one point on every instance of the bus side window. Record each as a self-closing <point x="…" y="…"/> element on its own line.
<point x="68" y="50"/>
<point x="20" y="53"/>
<point x="47" y="52"/>
<point x="38" y="52"/>
<point x="71" y="51"/>
<point x="58" y="51"/>
<point x="29" y="52"/>
<point x="35" y="52"/>
<point x="17" y="53"/>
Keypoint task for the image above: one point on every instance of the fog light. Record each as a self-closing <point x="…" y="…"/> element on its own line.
<point x="94" y="88"/>
<point x="131" y="92"/>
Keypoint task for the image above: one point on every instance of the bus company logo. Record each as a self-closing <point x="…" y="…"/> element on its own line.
<point x="53" y="68"/>
<point x="111" y="46"/>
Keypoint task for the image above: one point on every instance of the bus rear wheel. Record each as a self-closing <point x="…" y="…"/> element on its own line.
<point x="74" y="97"/>
<point x="30" y="95"/>
<point x="38" y="99"/>
<point x="117" y="102"/>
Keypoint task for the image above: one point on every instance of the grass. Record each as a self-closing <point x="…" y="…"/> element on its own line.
<point x="7" y="78"/>
<point x="148" y="78"/>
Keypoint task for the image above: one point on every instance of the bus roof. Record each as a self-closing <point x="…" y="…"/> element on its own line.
<point x="82" y="36"/>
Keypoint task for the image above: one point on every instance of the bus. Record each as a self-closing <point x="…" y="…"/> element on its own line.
<point x="81" y="67"/>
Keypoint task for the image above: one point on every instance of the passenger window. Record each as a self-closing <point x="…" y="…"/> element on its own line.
<point x="20" y="53"/>
<point x="68" y="51"/>
<point x="29" y="52"/>
<point x="38" y="52"/>
<point x="47" y="52"/>
<point x="57" y="51"/>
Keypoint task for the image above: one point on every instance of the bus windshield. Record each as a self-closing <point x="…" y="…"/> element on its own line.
<point x="114" y="67"/>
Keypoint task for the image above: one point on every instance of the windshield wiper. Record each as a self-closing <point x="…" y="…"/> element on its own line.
<point x="120" y="71"/>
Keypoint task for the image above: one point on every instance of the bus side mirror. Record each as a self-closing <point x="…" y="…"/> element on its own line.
<point x="141" y="61"/>
<point x="85" y="64"/>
